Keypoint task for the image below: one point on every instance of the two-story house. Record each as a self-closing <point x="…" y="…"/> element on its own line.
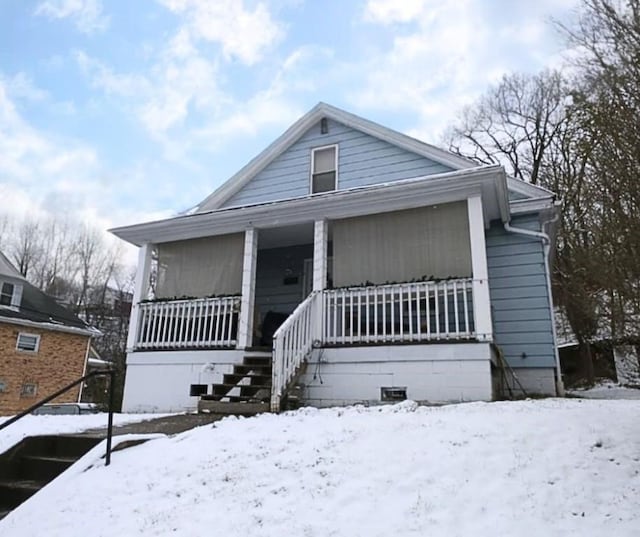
<point x="43" y="346"/>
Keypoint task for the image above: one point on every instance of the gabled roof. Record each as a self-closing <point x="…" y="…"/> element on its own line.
<point x="7" y="268"/>
<point x="300" y="127"/>
<point x="39" y="307"/>
<point x="36" y="307"/>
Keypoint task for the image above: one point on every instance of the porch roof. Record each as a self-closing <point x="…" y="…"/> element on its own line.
<point x="488" y="181"/>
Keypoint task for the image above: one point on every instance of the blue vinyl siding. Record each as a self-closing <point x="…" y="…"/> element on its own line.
<point x="519" y="296"/>
<point x="362" y="160"/>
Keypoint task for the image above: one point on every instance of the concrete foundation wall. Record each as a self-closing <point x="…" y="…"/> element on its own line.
<point x="430" y="373"/>
<point x="160" y="381"/>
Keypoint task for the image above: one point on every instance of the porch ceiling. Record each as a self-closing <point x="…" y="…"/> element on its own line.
<point x="279" y="237"/>
<point x="488" y="181"/>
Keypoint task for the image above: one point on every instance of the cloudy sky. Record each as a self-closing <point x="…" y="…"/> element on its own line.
<point x="121" y="111"/>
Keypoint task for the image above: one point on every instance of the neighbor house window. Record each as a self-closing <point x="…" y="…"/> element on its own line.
<point x="324" y="169"/>
<point x="10" y="294"/>
<point x="29" y="389"/>
<point x="6" y="293"/>
<point x="28" y="342"/>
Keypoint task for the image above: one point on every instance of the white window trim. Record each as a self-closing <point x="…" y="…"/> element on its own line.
<point x="335" y="165"/>
<point x="37" y="336"/>
<point x="16" y="297"/>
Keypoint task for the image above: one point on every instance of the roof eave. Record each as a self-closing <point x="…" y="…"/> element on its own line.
<point x="89" y="331"/>
<point x="340" y="204"/>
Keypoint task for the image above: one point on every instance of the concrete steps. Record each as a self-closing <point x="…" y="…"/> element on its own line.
<point x="34" y="462"/>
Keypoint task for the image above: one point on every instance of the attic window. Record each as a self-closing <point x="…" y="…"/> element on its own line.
<point x="6" y="293"/>
<point x="324" y="169"/>
<point x="10" y="294"/>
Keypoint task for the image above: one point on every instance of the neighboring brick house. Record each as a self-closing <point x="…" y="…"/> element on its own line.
<point x="43" y="346"/>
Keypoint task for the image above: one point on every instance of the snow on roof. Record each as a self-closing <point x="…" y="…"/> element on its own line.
<point x="7" y="268"/>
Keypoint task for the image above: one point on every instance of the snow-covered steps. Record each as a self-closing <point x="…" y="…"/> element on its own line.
<point x="34" y="462"/>
<point x="15" y="491"/>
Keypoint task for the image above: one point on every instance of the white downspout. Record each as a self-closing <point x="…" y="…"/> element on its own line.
<point x="84" y="369"/>
<point x="546" y="241"/>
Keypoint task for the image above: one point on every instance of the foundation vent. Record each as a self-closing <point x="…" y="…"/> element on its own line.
<point x="395" y="393"/>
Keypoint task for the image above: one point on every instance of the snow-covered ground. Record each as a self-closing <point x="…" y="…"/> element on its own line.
<point x="32" y="425"/>
<point x="531" y="468"/>
<point x="607" y="390"/>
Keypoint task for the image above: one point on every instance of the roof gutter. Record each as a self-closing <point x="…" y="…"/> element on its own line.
<point x="546" y="243"/>
<point x="385" y="197"/>
<point x="92" y="332"/>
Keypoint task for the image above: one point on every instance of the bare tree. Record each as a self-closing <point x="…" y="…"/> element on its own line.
<point x="4" y="230"/>
<point x="75" y="264"/>
<point x="608" y="33"/>
<point x="528" y="124"/>
<point x="25" y="249"/>
<point x="514" y="123"/>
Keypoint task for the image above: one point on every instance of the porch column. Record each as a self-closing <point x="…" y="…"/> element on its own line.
<point x="481" y="299"/>
<point x="140" y="290"/>
<point x="250" y="256"/>
<point x="320" y="232"/>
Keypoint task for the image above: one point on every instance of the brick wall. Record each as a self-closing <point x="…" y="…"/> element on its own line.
<point x="58" y="361"/>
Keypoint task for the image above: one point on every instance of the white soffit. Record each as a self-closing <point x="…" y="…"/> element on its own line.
<point x="527" y="189"/>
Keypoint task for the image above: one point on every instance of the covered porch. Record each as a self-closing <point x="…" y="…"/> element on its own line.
<point x="375" y="314"/>
<point x="393" y="264"/>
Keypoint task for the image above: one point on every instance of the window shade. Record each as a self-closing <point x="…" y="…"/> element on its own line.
<point x="200" y="267"/>
<point x="324" y="160"/>
<point x="400" y="246"/>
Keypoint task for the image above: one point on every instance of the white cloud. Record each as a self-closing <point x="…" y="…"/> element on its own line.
<point x="21" y="86"/>
<point x="44" y="175"/>
<point x="444" y="55"/>
<point x="87" y="15"/>
<point x="243" y="33"/>
<point x="181" y="104"/>
<point x="386" y="12"/>
<point x="106" y="79"/>
<point x="438" y="53"/>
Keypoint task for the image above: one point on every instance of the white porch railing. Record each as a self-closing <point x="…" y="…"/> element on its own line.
<point x="399" y="313"/>
<point x="396" y="313"/>
<point x="196" y="323"/>
<point x="292" y="343"/>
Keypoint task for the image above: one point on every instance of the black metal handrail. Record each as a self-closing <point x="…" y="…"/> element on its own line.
<point x="110" y="373"/>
